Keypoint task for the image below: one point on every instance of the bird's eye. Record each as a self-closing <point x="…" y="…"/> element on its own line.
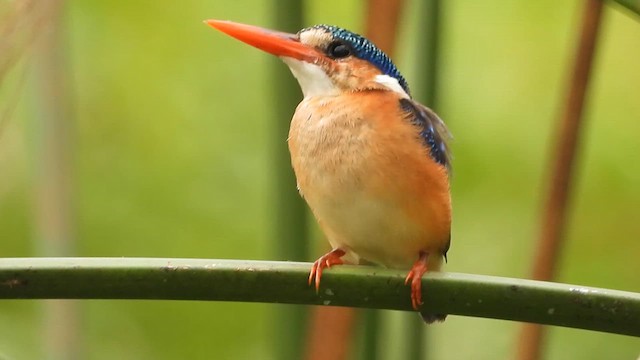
<point x="338" y="50"/>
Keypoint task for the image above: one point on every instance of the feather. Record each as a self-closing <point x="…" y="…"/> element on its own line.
<point x="432" y="130"/>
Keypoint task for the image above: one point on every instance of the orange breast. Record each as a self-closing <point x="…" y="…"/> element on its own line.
<point x="369" y="179"/>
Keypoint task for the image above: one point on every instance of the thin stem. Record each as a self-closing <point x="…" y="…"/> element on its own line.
<point x="633" y="5"/>
<point x="426" y="90"/>
<point x="554" y="219"/>
<point x="290" y="215"/>
<point x="371" y="334"/>
<point x="54" y="216"/>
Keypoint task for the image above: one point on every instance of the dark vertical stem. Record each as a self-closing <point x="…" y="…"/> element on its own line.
<point x="531" y="339"/>
<point x="54" y="197"/>
<point x="428" y="44"/>
<point x="371" y="327"/>
<point x="425" y="90"/>
<point x="415" y="336"/>
<point x="291" y="212"/>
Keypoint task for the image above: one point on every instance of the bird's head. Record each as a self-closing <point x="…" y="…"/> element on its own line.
<point x="326" y="60"/>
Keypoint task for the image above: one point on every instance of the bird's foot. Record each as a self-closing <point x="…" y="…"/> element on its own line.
<point x="415" y="277"/>
<point x="327" y="260"/>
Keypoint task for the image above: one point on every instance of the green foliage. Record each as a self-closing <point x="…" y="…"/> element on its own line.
<point x="172" y="159"/>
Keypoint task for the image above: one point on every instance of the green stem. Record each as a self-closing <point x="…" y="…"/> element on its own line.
<point x="290" y="215"/>
<point x="286" y="282"/>
<point x="633" y="5"/>
<point x="290" y="212"/>
<point x="429" y="60"/>
<point x="371" y="335"/>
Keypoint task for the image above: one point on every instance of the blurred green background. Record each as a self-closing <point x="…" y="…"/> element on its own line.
<point x="172" y="157"/>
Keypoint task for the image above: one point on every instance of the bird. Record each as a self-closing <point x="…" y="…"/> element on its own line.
<point x="371" y="162"/>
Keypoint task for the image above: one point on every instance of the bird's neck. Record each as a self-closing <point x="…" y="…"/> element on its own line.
<point x="335" y="79"/>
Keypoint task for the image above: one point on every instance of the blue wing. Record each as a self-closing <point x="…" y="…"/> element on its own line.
<point x="432" y="130"/>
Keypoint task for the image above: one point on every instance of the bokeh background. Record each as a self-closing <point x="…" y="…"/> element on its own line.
<point x="171" y="145"/>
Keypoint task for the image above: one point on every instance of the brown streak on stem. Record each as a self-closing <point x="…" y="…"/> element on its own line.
<point x="383" y="17"/>
<point x="54" y="221"/>
<point x="531" y="339"/>
<point x="334" y="325"/>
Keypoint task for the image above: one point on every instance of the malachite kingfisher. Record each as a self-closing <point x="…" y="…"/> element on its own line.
<point x="372" y="163"/>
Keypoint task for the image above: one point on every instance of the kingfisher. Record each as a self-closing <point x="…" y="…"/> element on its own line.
<point x="372" y="163"/>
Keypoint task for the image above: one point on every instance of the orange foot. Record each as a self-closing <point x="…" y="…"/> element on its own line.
<point x="415" y="276"/>
<point x="327" y="260"/>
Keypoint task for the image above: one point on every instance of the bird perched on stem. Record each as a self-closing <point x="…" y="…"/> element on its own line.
<point x="372" y="163"/>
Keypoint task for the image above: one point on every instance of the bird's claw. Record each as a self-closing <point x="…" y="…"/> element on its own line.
<point x="325" y="261"/>
<point x="415" y="277"/>
<point x="416" y="288"/>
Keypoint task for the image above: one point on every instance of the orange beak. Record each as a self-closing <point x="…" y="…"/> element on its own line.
<point x="273" y="42"/>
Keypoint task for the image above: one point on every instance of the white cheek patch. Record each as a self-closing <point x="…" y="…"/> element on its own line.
<point x="312" y="79"/>
<point x="391" y="83"/>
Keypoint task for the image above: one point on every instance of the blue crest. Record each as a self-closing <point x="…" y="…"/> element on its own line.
<point x="365" y="50"/>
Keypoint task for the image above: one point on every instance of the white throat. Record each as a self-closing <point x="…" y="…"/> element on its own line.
<point x="312" y="79"/>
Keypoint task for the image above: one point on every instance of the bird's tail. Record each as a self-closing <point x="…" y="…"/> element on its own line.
<point x="435" y="264"/>
<point x="431" y="318"/>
